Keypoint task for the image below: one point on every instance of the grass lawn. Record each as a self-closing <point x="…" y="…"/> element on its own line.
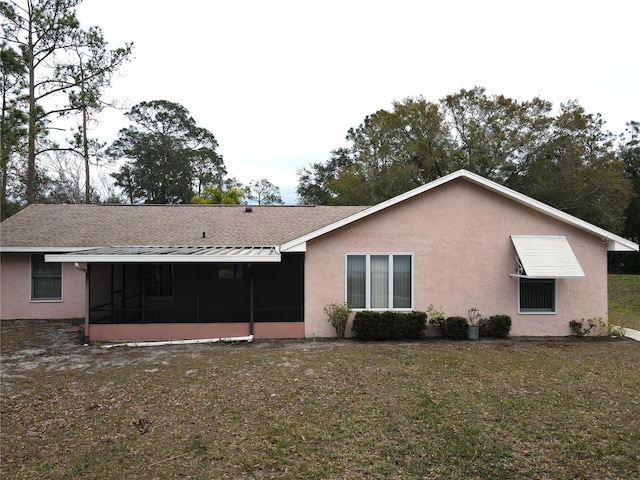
<point x="514" y="409"/>
<point x="624" y="300"/>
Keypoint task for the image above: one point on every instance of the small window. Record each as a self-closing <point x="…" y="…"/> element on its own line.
<point x="379" y="281"/>
<point x="46" y="280"/>
<point x="158" y="280"/>
<point x="232" y="271"/>
<point x="537" y="295"/>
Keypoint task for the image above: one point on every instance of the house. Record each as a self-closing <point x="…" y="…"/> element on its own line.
<point x="158" y="272"/>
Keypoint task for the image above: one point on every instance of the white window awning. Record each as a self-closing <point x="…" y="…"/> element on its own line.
<point x="179" y="254"/>
<point x="545" y="256"/>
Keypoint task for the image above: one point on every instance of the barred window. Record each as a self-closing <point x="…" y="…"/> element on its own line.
<point x="537" y="295"/>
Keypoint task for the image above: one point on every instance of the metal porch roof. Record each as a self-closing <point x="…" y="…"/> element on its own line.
<point x="177" y="254"/>
<point x="546" y="256"/>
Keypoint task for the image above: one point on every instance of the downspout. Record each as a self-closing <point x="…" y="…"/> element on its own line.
<point x="250" y="300"/>
<point x="86" y="297"/>
<point x="161" y="343"/>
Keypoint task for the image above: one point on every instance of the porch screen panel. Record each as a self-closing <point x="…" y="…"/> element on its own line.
<point x="379" y="281"/>
<point x="356" y="280"/>
<point x="158" y="280"/>
<point x="401" y="281"/>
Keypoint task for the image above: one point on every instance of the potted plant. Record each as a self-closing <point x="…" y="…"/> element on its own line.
<point x="473" y="329"/>
<point x="435" y="319"/>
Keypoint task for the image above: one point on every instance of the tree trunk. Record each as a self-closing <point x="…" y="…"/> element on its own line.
<point x="4" y="154"/>
<point x="85" y="143"/>
<point x="31" y="156"/>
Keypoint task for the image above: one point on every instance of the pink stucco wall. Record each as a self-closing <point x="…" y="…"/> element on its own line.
<point x="459" y="235"/>
<point x="180" y="331"/>
<point x="15" y="297"/>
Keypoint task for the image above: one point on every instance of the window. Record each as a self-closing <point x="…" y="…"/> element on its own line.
<point x="158" y="280"/>
<point x="537" y="295"/>
<point x="379" y="281"/>
<point x="231" y="271"/>
<point x="46" y="280"/>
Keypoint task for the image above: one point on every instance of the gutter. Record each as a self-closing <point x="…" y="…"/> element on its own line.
<point x="161" y="343"/>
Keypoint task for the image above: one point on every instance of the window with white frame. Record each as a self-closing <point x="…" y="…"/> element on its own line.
<point x="379" y="281"/>
<point x="46" y="280"/>
<point x="537" y="295"/>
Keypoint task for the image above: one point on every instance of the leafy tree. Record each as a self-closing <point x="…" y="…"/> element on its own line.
<point x="40" y="29"/>
<point x="88" y="73"/>
<point x="314" y="181"/>
<point x="167" y="154"/>
<point x="394" y="151"/>
<point x="13" y="121"/>
<point x="214" y="195"/>
<point x="209" y="169"/>
<point x="568" y="160"/>
<point x="388" y="154"/>
<point x="412" y="136"/>
<point x="264" y="192"/>
<point x="48" y="36"/>
<point x="494" y="136"/>
<point x="577" y="170"/>
<point x="630" y="155"/>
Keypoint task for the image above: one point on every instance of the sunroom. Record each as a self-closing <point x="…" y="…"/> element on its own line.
<point x="172" y="293"/>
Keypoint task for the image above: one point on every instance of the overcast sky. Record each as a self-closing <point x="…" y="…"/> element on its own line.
<point x="279" y="83"/>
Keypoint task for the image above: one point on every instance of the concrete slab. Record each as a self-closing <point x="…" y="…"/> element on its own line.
<point x="632" y="334"/>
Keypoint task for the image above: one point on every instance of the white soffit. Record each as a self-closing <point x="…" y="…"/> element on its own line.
<point x="543" y="256"/>
<point x="180" y="254"/>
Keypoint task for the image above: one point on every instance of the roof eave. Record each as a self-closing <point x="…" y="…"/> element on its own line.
<point x="170" y="254"/>
<point x="16" y="249"/>
<point x="70" y="258"/>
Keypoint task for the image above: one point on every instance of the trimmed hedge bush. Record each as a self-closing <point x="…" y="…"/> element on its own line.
<point x="454" y="327"/>
<point x="368" y="325"/>
<point x="495" y="326"/>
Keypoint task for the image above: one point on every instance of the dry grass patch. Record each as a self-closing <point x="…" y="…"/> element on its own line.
<point x="491" y="409"/>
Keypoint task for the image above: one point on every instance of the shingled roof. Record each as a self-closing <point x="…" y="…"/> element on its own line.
<point x="78" y="226"/>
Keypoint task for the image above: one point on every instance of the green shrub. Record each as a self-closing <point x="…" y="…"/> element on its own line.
<point x="412" y="324"/>
<point x="595" y="326"/>
<point x="495" y="326"/>
<point x="454" y="327"/>
<point x="368" y="325"/>
<point x="338" y="314"/>
<point x="578" y="328"/>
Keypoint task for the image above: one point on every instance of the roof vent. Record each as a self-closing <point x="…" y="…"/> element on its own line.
<point x="248" y="209"/>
